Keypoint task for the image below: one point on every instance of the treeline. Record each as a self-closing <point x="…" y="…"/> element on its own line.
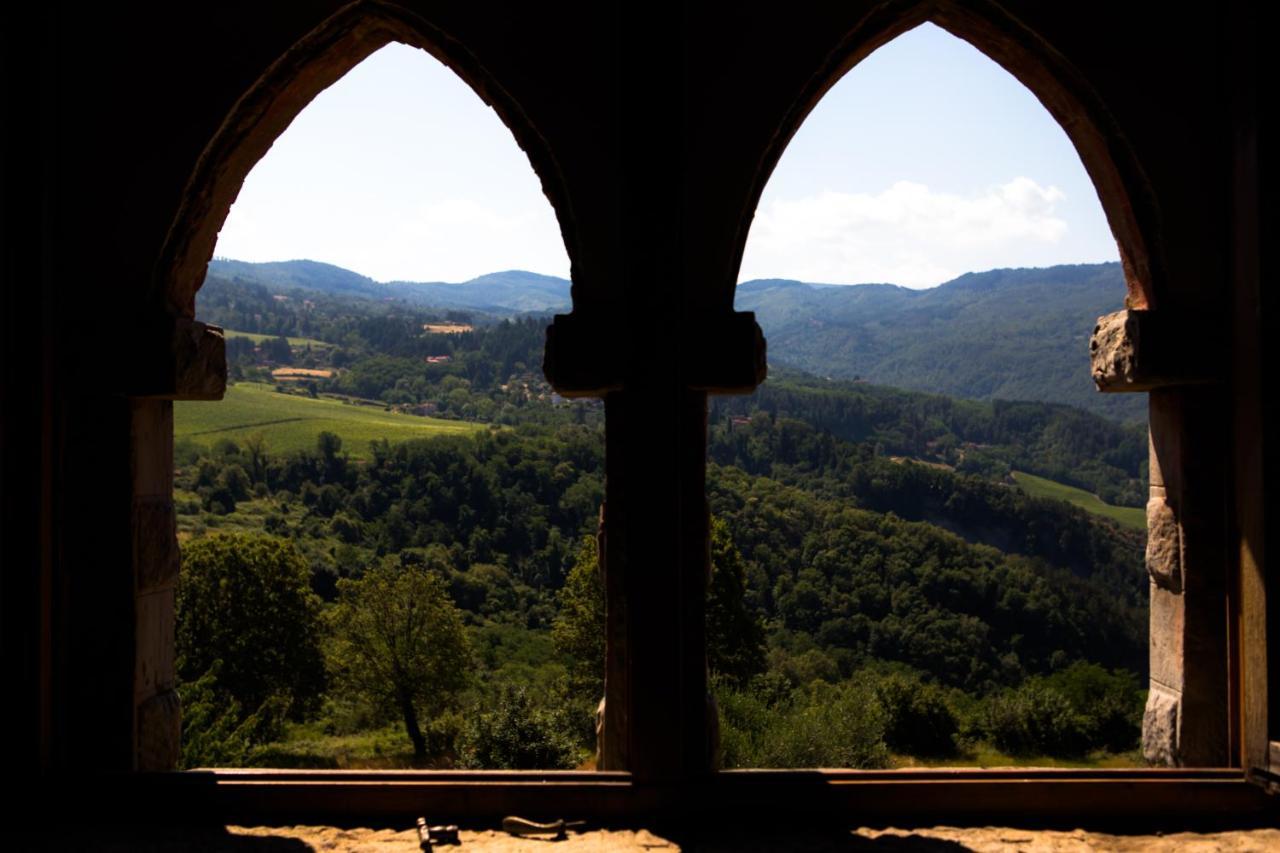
<point x="987" y="438"/>
<point x="381" y="349"/>
<point x="844" y="587"/>
<point x="838" y="591"/>
<point x="850" y="473"/>
<point x="506" y="505"/>
<point x="385" y="351"/>
<point x="860" y="584"/>
<point x="343" y="320"/>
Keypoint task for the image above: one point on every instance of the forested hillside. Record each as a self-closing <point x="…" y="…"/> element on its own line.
<point x="876" y="571"/>
<point x="1018" y="334"/>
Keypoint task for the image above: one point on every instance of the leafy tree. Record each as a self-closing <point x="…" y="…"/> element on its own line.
<point x="277" y="350"/>
<point x="735" y="634"/>
<point x="517" y="734"/>
<point x="399" y="642"/>
<point x="918" y="720"/>
<point x="216" y="732"/>
<point x="578" y="631"/>
<point x="245" y="601"/>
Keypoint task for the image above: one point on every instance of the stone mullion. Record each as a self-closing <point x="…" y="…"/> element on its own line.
<point x="1189" y="703"/>
<point x="157" y="716"/>
<point x="173" y="359"/>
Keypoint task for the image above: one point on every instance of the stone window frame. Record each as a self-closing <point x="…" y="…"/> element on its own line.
<point x="1134" y="351"/>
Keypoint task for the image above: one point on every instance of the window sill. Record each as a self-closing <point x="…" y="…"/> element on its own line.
<point x="1142" y="797"/>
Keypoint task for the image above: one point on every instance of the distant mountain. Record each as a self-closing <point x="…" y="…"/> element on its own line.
<point x="1014" y="334"/>
<point x="511" y="292"/>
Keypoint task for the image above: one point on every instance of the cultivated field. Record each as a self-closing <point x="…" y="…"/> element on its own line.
<point x="297" y="343"/>
<point x="290" y="423"/>
<point x="1039" y="487"/>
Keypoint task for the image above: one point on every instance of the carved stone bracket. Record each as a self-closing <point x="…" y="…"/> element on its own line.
<point x="1142" y="350"/>
<point x="582" y="358"/>
<point x="726" y="354"/>
<point x="175" y="359"/>
<point x="722" y="354"/>
<point x="1164" y="544"/>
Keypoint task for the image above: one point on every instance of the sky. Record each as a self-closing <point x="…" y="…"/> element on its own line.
<point x="924" y="162"/>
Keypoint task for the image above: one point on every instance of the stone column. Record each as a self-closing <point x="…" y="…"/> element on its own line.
<point x="657" y="720"/>
<point x="1189" y="703"/>
<point x="187" y="361"/>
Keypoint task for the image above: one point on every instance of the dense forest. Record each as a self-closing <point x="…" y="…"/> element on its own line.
<point x="875" y="572"/>
<point x="1014" y="334"/>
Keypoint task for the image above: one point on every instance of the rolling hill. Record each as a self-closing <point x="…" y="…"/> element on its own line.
<point x="1013" y="334"/>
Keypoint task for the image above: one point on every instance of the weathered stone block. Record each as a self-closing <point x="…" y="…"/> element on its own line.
<point x="1168" y="620"/>
<point x="159" y="732"/>
<point x="1143" y="350"/>
<point x="1113" y="351"/>
<point x="1160" y="720"/>
<point x="151" y="447"/>
<point x="175" y="359"/>
<point x="155" y="543"/>
<point x="1164" y="545"/>
<point x="154" y="661"/>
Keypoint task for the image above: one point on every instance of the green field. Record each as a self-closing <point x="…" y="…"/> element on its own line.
<point x="1039" y="487"/>
<point x="293" y="342"/>
<point x="290" y="423"/>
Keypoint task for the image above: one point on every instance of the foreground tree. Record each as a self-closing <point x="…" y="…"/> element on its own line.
<point x="578" y="630"/>
<point x="399" y="642"/>
<point x="735" y="633"/>
<point x="246" y="610"/>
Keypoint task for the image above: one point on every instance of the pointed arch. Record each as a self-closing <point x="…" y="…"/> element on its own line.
<point x="1113" y="167"/>
<point x="270" y="105"/>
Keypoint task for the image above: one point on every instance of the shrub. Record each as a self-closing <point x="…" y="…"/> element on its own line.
<point x="516" y="734"/>
<point x="823" y="726"/>
<point x="216" y="732"/>
<point x="918" y="720"/>
<point x="1035" y="719"/>
<point x="1109" y="703"/>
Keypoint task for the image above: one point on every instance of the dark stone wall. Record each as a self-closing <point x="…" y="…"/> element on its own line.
<point x="654" y="127"/>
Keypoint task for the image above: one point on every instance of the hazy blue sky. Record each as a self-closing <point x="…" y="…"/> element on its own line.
<point x="924" y="162"/>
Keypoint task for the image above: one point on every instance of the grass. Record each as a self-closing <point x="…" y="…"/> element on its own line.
<point x="986" y="756"/>
<point x="1039" y="487"/>
<point x="290" y="423"/>
<point x="308" y="745"/>
<point x="293" y="342"/>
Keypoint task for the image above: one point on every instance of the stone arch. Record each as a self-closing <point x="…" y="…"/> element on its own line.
<point x="262" y="113"/>
<point x="1061" y="88"/>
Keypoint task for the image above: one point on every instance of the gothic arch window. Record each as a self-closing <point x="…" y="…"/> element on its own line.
<point x="669" y="728"/>
<point x="267" y="130"/>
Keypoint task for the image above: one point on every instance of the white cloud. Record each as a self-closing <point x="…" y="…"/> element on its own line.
<point x="907" y="234"/>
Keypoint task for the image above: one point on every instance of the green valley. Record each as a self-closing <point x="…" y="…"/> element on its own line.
<point x="875" y="572"/>
<point x="1039" y="487"/>
<point x="290" y="422"/>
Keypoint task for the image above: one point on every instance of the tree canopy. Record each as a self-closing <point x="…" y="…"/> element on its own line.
<point x="399" y="641"/>
<point x="245" y="600"/>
